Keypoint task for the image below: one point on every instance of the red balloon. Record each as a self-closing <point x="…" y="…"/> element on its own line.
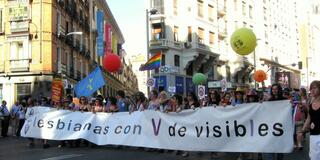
<point x="260" y="76"/>
<point x="111" y="63"/>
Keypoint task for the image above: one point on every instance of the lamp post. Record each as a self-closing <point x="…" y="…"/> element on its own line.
<point x="255" y="64"/>
<point x="66" y="35"/>
<point x="307" y="66"/>
<point x="152" y="11"/>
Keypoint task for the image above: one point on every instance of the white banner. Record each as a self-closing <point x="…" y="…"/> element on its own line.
<point x="253" y="127"/>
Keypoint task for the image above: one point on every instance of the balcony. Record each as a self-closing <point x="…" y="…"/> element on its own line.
<point x="86" y="4"/>
<point x="2" y="66"/>
<point x="221" y="10"/>
<point x="78" y="76"/>
<point x="165" y="44"/>
<point x="61" y="3"/>
<point x="83" y="50"/>
<point x="69" y="40"/>
<point x="222" y="33"/>
<point x="86" y="25"/>
<point x="71" y="72"/>
<point x="87" y="54"/>
<point x="76" y="45"/>
<point x="20" y="65"/>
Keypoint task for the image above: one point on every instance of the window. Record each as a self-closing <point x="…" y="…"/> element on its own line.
<point x="228" y="73"/>
<point x="58" y="22"/>
<point x="235" y="5"/>
<point x="236" y="25"/>
<point x="163" y="60"/>
<point x="210" y="13"/>
<point x="175" y="7"/>
<point x="158" y="4"/>
<point x="23" y="90"/>
<point x="157" y="31"/>
<point x="19" y="50"/>
<point x="67" y="27"/>
<point x="189" y="34"/>
<point x="244" y="8"/>
<point x="250" y="12"/>
<point x="177" y="60"/>
<point x="1" y="92"/>
<point x="200" y="8"/>
<point x="200" y="35"/>
<point x="175" y="33"/>
<point x="1" y="26"/>
<point x="211" y="38"/>
<point x="58" y="58"/>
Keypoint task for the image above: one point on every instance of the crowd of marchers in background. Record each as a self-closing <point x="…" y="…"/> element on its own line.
<point x="305" y="107"/>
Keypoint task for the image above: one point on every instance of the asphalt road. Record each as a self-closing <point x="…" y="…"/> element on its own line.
<point x="14" y="148"/>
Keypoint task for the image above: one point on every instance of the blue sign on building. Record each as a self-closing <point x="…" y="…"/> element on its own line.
<point x="161" y="82"/>
<point x="100" y="24"/>
<point x="179" y="85"/>
<point x="190" y="87"/>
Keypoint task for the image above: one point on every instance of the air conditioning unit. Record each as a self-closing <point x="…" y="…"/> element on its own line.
<point x="187" y="44"/>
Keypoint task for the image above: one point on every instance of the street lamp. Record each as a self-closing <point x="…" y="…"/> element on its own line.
<point x="73" y="33"/>
<point x="152" y="12"/>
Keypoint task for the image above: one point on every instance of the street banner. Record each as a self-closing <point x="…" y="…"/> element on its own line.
<point x="252" y="127"/>
<point x="100" y="22"/>
<point x="108" y="38"/>
<point x="56" y="88"/>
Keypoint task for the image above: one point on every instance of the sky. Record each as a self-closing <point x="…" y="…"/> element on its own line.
<point x="131" y="18"/>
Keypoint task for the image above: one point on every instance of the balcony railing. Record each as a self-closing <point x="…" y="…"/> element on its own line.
<point x="19" y="65"/>
<point x="164" y="43"/>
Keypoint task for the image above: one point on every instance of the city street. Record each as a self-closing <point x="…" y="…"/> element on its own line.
<point x="13" y="148"/>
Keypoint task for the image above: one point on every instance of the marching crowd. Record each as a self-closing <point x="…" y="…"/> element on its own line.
<point x="305" y="108"/>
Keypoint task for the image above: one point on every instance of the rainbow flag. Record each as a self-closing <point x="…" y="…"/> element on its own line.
<point x="153" y="63"/>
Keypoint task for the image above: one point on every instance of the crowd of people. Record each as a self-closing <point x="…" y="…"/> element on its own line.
<point x="305" y="110"/>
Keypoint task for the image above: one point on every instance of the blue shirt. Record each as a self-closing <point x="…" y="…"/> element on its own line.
<point x="122" y="105"/>
<point x="4" y="110"/>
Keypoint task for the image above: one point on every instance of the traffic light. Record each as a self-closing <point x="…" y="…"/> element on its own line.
<point x="300" y="64"/>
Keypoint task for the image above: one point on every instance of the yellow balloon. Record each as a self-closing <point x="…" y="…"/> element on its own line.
<point x="243" y="41"/>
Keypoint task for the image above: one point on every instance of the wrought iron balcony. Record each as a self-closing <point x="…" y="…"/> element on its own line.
<point x="19" y="65"/>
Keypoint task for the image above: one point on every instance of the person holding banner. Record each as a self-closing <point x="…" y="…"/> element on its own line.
<point x="98" y="106"/>
<point x="154" y="101"/>
<point x="83" y="104"/>
<point x="193" y="102"/>
<point x="276" y="95"/>
<point x="313" y="121"/>
<point x="213" y="99"/>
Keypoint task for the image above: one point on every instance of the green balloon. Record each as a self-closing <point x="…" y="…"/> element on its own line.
<point x="199" y="78"/>
<point x="243" y="41"/>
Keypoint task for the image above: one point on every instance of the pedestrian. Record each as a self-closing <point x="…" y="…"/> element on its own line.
<point x="140" y="102"/>
<point x="5" y="119"/>
<point x="22" y="116"/>
<point x="312" y="122"/>
<point x="14" y="114"/>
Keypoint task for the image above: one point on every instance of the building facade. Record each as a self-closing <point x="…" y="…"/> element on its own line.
<point x="202" y="43"/>
<point x="45" y="39"/>
<point x="137" y="61"/>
